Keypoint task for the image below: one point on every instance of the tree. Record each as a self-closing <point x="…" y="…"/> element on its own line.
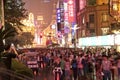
<point x="26" y="38"/>
<point x="14" y="12"/>
<point x="6" y="32"/>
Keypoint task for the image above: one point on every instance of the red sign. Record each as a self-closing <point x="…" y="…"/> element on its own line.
<point x="71" y="10"/>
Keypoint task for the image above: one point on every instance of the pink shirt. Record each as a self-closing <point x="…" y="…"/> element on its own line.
<point x="67" y="65"/>
<point x="118" y="64"/>
<point x="106" y="65"/>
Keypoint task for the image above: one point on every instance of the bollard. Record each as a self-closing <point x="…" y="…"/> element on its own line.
<point x="58" y="72"/>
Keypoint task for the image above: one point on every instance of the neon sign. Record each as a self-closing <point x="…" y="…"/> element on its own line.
<point x="58" y="15"/>
<point x="82" y="4"/>
<point x="71" y="10"/>
<point x="65" y="12"/>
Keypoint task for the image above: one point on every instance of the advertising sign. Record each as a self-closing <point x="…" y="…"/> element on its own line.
<point x="65" y="11"/>
<point x="117" y="39"/>
<point x="98" y="41"/>
<point x="71" y="9"/>
<point x="58" y="15"/>
<point x="82" y="4"/>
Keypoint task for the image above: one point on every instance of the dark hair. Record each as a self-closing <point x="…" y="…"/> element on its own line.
<point x="7" y="47"/>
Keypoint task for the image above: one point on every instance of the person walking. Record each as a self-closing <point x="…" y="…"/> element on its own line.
<point x="74" y="67"/>
<point x="67" y="69"/>
<point x="62" y="65"/>
<point x="118" y="67"/>
<point x="80" y="66"/>
<point x="106" y="66"/>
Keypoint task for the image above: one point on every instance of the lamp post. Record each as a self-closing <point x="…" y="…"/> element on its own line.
<point x="75" y="36"/>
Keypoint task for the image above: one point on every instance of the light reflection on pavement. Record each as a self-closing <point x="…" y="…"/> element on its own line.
<point x="45" y="74"/>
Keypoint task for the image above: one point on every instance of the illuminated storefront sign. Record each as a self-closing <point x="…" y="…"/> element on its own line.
<point x="97" y="41"/>
<point x="117" y="39"/>
<point x="65" y="11"/>
<point x="114" y="6"/>
<point x="71" y="12"/>
<point x="58" y="15"/>
<point x="82" y="4"/>
<point x="66" y="24"/>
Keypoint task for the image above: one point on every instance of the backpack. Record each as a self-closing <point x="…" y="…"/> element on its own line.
<point x="74" y="64"/>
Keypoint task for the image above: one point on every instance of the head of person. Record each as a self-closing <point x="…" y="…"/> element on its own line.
<point x="105" y="57"/>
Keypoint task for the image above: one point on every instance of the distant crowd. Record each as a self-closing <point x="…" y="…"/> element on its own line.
<point x="80" y="64"/>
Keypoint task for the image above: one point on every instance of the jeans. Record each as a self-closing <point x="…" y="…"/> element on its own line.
<point x="118" y="73"/>
<point x="107" y="75"/>
<point x="80" y="72"/>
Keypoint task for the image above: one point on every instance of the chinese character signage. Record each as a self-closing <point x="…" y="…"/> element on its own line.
<point x="71" y="10"/>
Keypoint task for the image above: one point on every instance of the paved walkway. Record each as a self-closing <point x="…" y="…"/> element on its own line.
<point x="45" y="74"/>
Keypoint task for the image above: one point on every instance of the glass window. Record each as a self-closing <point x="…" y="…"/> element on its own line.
<point x="91" y="2"/>
<point x="104" y="17"/>
<point x="91" y="18"/>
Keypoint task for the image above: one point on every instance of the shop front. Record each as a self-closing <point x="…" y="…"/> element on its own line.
<point x="107" y="41"/>
<point x="117" y="42"/>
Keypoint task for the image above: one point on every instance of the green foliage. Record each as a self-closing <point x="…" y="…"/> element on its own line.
<point x="26" y="38"/>
<point x="14" y="12"/>
<point x="19" y="67"/>
<point x="6" y="32"/>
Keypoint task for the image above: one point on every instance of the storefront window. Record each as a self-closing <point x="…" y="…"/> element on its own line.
<point x="104" y="17"/>
<point x="91" y="18"/>
<point x="91" y="2"/>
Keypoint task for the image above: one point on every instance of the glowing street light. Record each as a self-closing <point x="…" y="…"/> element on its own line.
<point x="75" y="35"/>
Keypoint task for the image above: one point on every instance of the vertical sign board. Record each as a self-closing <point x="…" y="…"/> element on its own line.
<point x="58" y="18"/>
<point x="65" y="11"/>
<point x="82" y="4"/>
<point x="62" y="16"/>
<point x="66" y="24"/>
<point x="58" y="15"/>
<point x="72" y="15"/>
<point x="114" y="6"/>
<point x="71" y="6"/>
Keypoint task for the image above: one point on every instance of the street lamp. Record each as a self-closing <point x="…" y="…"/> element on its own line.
<point x="75" y="35"/>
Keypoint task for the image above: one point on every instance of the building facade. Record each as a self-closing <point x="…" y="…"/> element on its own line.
<point x="93" y="18"/>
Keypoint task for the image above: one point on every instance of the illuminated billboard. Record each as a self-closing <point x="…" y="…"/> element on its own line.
<point x="71" y="10"/>
<point x="65" y="11"/>
<point x="97" y="41"/>
<point x="117" y="39"/>
<point x="82" y="4"/>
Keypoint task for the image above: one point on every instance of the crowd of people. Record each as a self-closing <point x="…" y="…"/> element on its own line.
<point x="83" y="64"/>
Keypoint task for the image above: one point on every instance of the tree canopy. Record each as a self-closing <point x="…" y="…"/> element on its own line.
<point x="14" y="12"/>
